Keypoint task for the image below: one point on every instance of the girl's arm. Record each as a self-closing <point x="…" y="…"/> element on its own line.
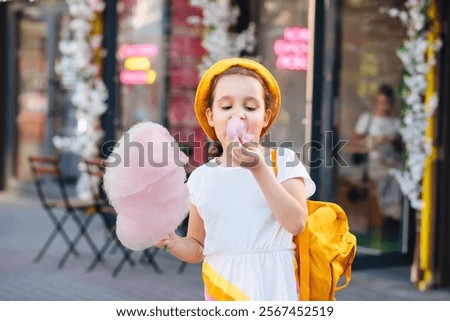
<point x="287" y="200"/>
<point x="190" y="247"/>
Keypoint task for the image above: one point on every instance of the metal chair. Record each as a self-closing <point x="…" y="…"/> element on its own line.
<point x="46" y="173"/>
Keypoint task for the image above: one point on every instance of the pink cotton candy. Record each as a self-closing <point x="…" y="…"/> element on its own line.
<point x="236" y="128"/>
<point x="146" y="185"/>
<point x="146" y="150"/>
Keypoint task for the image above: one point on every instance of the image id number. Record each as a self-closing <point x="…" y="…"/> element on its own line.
<point x="300" y="311"/>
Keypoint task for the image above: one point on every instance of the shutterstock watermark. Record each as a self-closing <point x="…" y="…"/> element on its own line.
<point x="312" y="154"/>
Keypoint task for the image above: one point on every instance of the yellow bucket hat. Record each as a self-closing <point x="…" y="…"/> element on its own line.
<point x="206" y="82"/>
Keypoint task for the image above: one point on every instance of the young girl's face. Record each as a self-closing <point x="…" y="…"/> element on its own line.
<point x="238" y="96"/>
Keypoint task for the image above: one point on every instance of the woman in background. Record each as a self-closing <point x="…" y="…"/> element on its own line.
<point x="379" y="132"/>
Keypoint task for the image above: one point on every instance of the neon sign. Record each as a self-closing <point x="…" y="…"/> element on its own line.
<point x="292" y="50"/>
<point x="136" y="64"/>
<point x="139" y="77"/>
<point x="144" y="50"/>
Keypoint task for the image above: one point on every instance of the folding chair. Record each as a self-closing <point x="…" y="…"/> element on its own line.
<point x="96" y="170"/>
<point x="46" y="171"/>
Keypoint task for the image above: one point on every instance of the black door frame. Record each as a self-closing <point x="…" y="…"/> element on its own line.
<point x="3" y="91"/>
<point x="11" y="85"/>
<point x="442" y="172"/>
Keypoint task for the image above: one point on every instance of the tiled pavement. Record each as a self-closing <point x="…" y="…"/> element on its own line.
<point x="24" y="227"/>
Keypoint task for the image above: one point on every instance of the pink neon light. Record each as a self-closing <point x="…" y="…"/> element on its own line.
<point x="291" y="62"/>
<point x="292" y="51"/>
<point x="284" y="47"/>
<point x="129" y="77"/>
<point x="296" y="34"/>
<point x="144" y="50"/>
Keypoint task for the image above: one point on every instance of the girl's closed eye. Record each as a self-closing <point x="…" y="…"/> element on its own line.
<point x="250" y="108"/>
<point x="226" y="107"/>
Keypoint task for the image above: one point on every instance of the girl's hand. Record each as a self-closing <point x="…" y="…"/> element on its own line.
<point x="167" y="242"/>
<point x="161" y="244"/>
<point x="248" y="155"/>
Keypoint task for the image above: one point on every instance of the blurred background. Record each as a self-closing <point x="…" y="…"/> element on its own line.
<point x="77" y="74"/>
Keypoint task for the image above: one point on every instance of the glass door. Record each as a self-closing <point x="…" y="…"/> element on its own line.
<point x="32" y="99"/>
<point x="38" y="107"/>
<point x="369" y="121"/>
<point x="282" y="42"/>
<point x="141" y="63"/>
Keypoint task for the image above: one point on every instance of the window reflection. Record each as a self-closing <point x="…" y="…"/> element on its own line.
<point x="275" y="17"/>
<point x="141" y="68"/>
<point x="366" y="191"/>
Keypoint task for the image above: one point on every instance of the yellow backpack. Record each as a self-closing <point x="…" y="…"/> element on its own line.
<point x="325" y="250"/>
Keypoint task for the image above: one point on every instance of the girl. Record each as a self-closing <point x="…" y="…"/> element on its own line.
<point x="242" y="217"/>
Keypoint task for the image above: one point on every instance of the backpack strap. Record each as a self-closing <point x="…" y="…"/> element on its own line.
<point x="348" y="276"/>
<point x="351" y="239"/>
<point x="301" y="242"/>
<point x="273" y="158"/>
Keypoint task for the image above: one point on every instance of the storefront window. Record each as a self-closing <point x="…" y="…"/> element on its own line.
<point x="37" y="105"/>
<point x="282" y="43"/>
<point x="370" y="196"/>
<point x="141" y="63"/>
<point x="186" y="54"/>
<point x="32" y="98"/>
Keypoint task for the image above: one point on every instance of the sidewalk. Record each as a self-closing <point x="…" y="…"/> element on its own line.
<point x="24" y="226"/>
